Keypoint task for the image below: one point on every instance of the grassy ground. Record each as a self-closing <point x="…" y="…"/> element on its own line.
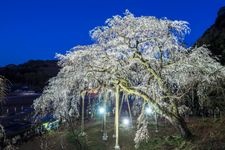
<point x="209" y="135"/>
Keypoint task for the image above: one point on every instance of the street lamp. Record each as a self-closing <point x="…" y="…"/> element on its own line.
<point x="148" y="110"/>
<point x="102" y="111"/>
<point x="126" y="122"/>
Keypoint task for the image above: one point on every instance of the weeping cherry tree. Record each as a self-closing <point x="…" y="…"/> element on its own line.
<point x="141" y="56"/>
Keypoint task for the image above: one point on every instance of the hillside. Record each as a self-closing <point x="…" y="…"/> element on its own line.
<point x="214" y="37"/>
<point x="34" y="73"/>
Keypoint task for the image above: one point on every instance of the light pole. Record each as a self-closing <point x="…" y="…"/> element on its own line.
<point x="82" y="115"/>
<point x="149" y="111"/>
<point x="117" y="147"/>
<point x="102" y="111"/>
<point x="156" y="123"/>
<point x="129" y="110"/>
<point x="105" y="136"/>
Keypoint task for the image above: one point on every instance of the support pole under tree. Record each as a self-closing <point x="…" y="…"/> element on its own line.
<point x="129" y="110"/>
<point x="105" y="136"/>
<point x="121" y="104"/>
<point x="82" y="115"/>
<point x="117" y="147"/>
<point x="156" y="123"/>
<point x="156" y="117"/>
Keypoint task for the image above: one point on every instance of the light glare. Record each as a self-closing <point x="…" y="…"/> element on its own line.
<point x="126" y="121"/>
<point x="148" y="110"/>
<point x="101" y="110"/>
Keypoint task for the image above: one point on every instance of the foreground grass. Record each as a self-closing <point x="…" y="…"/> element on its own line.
<point x="94" y="137"/>
<point x="209" y="135"/>
<point x="93" y="140"/>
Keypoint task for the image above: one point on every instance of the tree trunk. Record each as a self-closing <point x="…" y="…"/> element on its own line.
<point x="174" y="117"/>
<point x="181" y="126"/>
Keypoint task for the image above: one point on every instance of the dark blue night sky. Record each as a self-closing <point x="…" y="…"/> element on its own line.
<point x="37" y="29"/>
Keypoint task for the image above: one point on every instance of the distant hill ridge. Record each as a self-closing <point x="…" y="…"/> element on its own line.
<point x="34" y="73"/>
<point x="214" y="36"/>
